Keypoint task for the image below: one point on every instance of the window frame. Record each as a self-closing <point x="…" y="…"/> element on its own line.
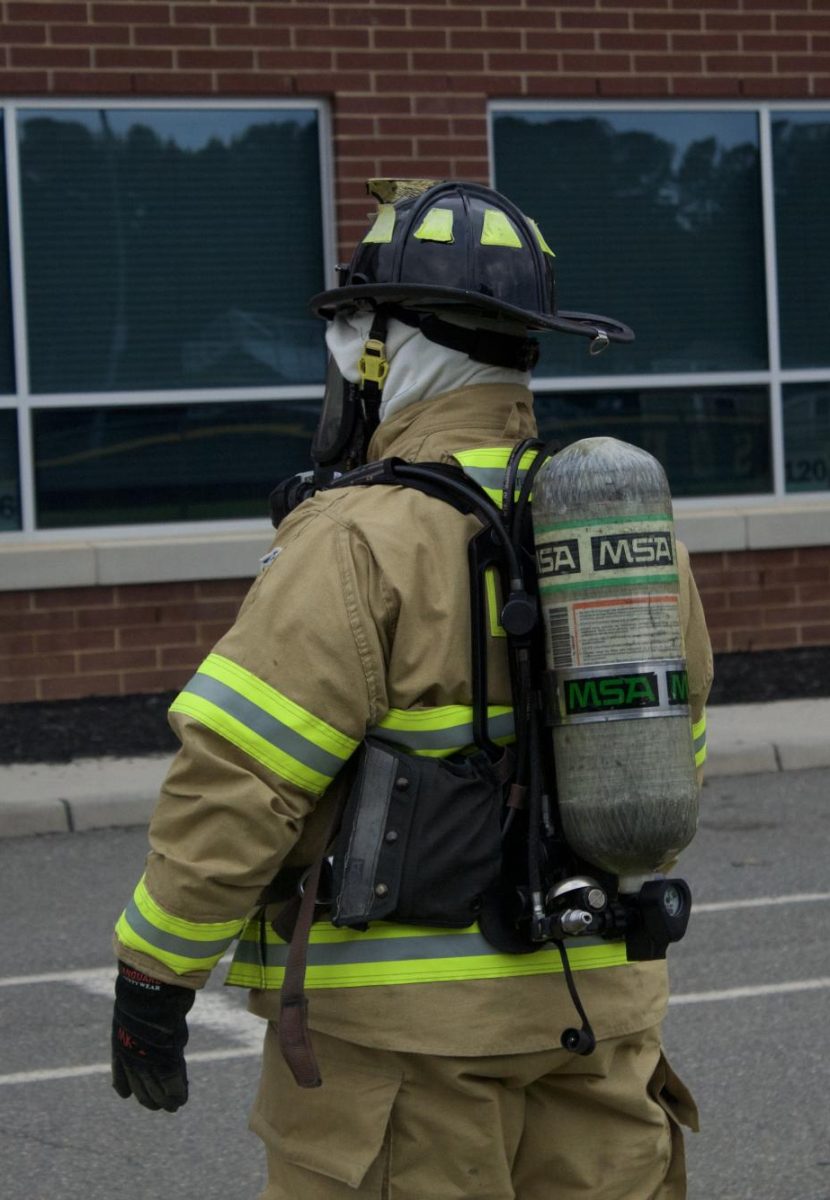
<point x="775" y="377"/>
<point x="24" y="401"/>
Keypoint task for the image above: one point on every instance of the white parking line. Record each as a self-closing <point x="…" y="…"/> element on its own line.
<point x="744" y="993"/>
<point x="759" y="902"/>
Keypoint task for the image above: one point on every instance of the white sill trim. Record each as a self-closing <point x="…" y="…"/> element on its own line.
<point x="177" y="559"/>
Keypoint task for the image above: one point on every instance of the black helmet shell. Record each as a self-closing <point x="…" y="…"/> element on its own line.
<point x="464" y="249"/>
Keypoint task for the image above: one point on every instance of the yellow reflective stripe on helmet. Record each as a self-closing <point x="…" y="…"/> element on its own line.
<point x="181" y="945"/>
<point x="541" y="239"/>
<point x="436" y="226"/>
<point x="442" y="731"/>
<point x="384" y="225"/>
<point x="498" y="230"/>
<point x="699" y="740"/>
<point x="267" y="725"/>
<point x="399" y="954"/>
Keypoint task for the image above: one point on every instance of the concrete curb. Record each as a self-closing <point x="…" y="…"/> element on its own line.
<point x="103" y="793"/>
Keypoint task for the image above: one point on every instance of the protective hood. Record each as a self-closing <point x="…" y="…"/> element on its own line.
<point x="418" y="368"/>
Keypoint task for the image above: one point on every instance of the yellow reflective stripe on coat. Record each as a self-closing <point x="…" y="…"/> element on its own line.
<point x="699" y="740"/>
<point x="181" y="945"/>
<point x="486" y="467"/>
<point x="398" y="954"/>
<point x="264" y="723"/>
<point x="442" y="731"/>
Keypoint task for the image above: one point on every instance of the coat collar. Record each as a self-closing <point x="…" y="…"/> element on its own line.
<point x="431" y="430"/>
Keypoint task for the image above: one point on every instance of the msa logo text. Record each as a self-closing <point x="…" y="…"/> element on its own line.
<point x="558" y="558"/>
<point x="618" y="692"/>
<point x="621" y="551"/>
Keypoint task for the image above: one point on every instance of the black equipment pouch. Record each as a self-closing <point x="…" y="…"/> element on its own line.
<point x="420" y="840"/>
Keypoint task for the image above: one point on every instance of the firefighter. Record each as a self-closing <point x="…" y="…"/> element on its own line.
<point x="442" y="1069"/>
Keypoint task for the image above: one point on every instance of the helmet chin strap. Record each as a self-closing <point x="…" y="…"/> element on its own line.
<point x="373" y="367"/>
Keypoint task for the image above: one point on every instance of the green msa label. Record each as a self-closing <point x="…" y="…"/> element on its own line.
<point x="644" y="689"/>
<point x="618" y="692"/>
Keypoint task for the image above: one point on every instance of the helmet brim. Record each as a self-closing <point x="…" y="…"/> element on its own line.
<point x="425" y="298"/>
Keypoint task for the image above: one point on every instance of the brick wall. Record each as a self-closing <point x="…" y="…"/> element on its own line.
<point x="110" y="641"/>
<point x="117" y="641"/>
<point x="410" y="81"/>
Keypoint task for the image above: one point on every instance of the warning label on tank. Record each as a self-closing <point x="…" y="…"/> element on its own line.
<point x="612" y="629"/>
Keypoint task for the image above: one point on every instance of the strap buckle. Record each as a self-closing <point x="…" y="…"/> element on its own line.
<point x="373" y="365"/>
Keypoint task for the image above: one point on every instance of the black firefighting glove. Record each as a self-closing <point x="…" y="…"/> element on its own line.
<point x="149" y="1034"/>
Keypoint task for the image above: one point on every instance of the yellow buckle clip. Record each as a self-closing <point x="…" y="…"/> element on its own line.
<point x="373" y="365"/>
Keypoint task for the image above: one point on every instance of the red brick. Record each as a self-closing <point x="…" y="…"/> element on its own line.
<point x="591" y="20"/>
<point x="332" y="82"/>
<point x="133" y="13"/>
<point x="339" y="39"/>
<point x="80" y="597"/>
<point x="117" y="660"/>
<point x="26" y="34"/>
<point x="35" y="665"/>
<point x="755" y="559"/>
<point x="783" y="87"/>
<point x="12" y="644"/>
<point x="92" y="82"/>
<point x="815" y="635"/>
<point x="813" y="593"/>
<point x="172" y="35"/>
<point x="17" y="691"/>
<point x="265" y="83"/>
<point x="445" y="104"/>
<point x="596" y="63"/>
<point x="710" y="42"/>
<point x="162" y="679"/>
<point x="761" y="597"/>
<point x="814" y="556"/>
<point x="19" y="83"/>
<point x="720" y="642"/>
<point x="75" y="639"/>
<point x="42" y="12"/>
<point x="133" y="59"/>
<point x="454" y="62"/>
<point x="809" y="24"/>
<point x="368" y="60"/>
<point x="258" y="35"/>
<point x="31" y="622"/>
<point x="409" y="39"/>
<point x="369" y="104"/>
<point x="451" y="147"/>
<point x="211" y="14"/>
<point x="633" y="41"/>
<point x="340" y="15"/>
<point x="48" y="56"/>
<point x="698" y="85"/>
<point x="180" y="83"/>
<point x="775" y="43"/>
<point x="294" y="60"/>
<point x="776" y="4"/>
<point x="408" y="82"/>
<point x="16" y="601"/>
<point x="214" y="60"/>
<point x="545" y="42"/>
<point x="630" y="85"/>
<point x="474" y="39"/>
<point x="667" y="62"/>
<point x="466" y="15"/>
<point x="743" y="618"/>
<point x="817" y="574"/>
<point x="157" y="635"/>
<point x="413" y="125"/>
<point x="804" y="62"/>
<point x="561" y="86"/>
<point x="143" y="614"/>
<point x="78" y="686"/>
<point x="185" y="658"/>
<point x="91" y="35"/>
<point x="666" y="21"/>
<point x="740" y="22"/>
<point x="295" y="14"/>
<point x="516" y="18"/>
<point x="773" y="639"/>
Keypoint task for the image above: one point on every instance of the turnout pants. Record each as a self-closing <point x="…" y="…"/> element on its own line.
<point x="541" y="1126"/>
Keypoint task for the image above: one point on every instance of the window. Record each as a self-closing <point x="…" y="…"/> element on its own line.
<point x="702" y="226"/>
<point x="155" y="269"/>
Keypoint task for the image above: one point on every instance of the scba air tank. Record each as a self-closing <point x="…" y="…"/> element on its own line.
<point x="608" y="579"/>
